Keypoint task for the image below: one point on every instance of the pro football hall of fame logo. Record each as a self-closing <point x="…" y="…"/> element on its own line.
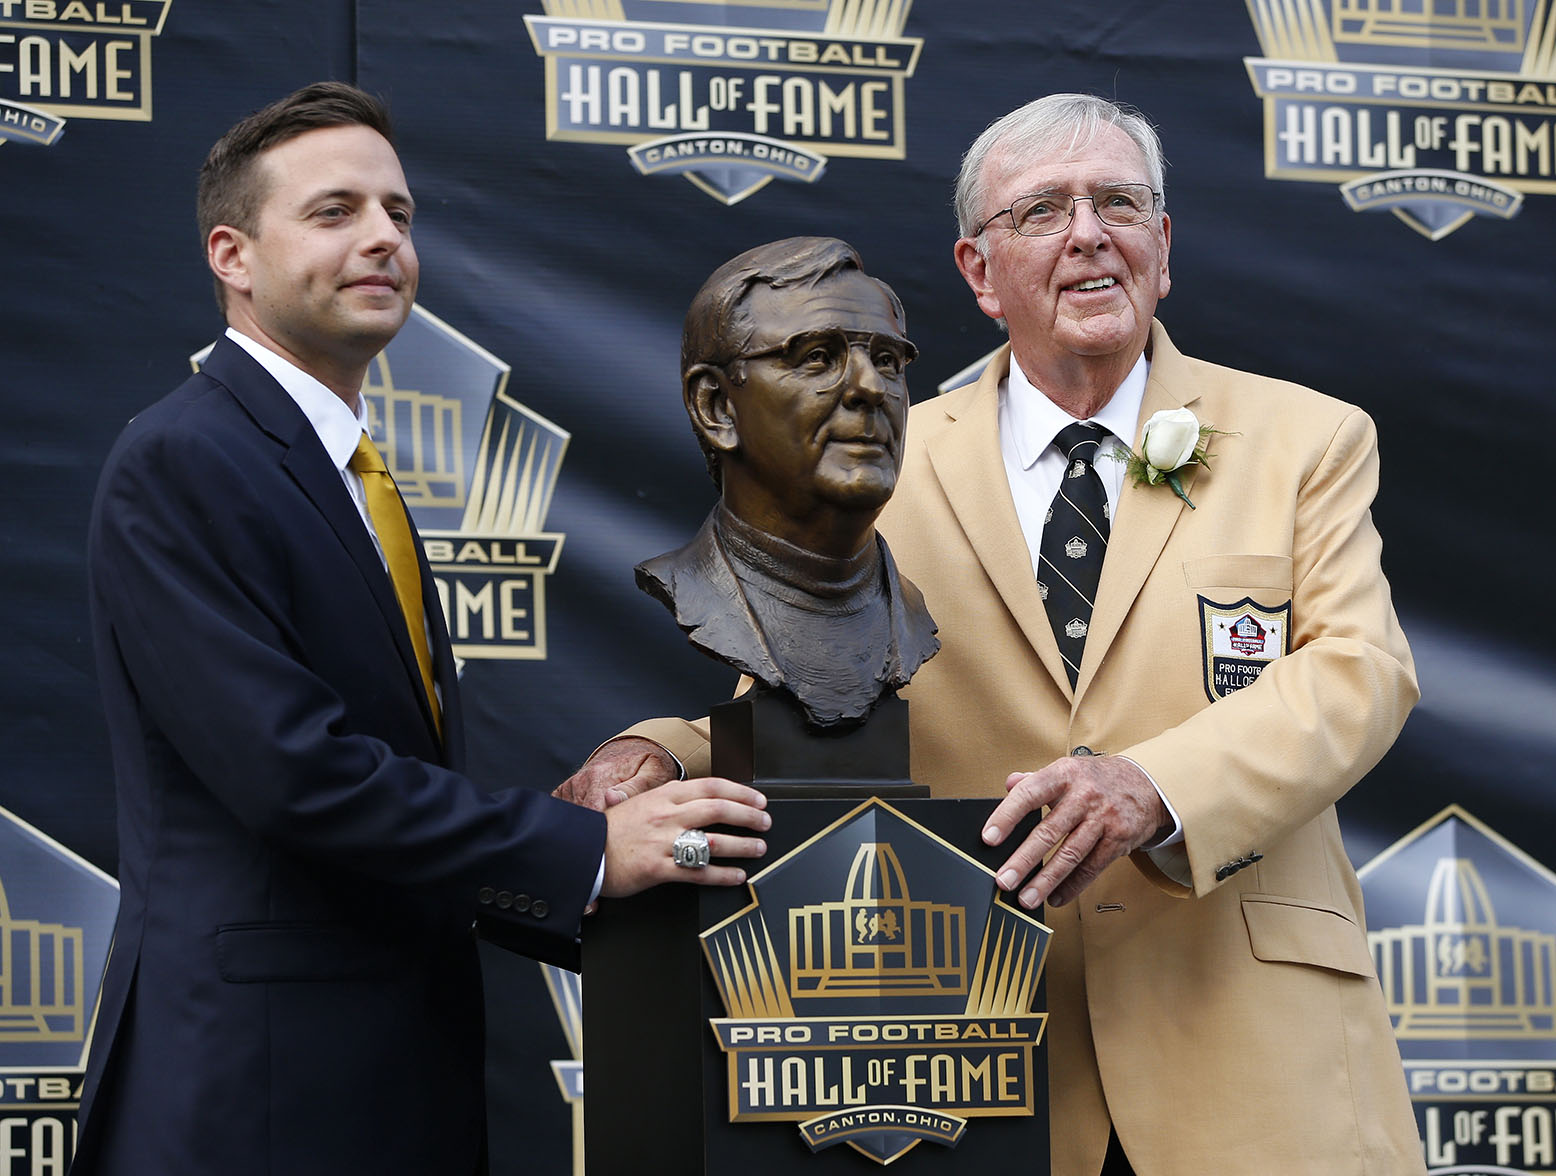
<point x="477" y="470"/>
<point x="878" y="994"/>
<point x="69" y="58"/>
<point x="1435" y="110"/>
<point x="752" y="91"/>
<point x="56" y="923"/>
<point x="1462" y="925"/>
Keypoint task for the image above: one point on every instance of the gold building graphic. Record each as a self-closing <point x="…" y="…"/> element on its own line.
<point x="1459" y="24"/>
<point x="1459" y="973"/>
<point x="515" y="467"/>
<point x="419" y="436"/>
<point x="42" y="979"/>
<point x="876" y="940"/>
<point x="1300" y="31"/>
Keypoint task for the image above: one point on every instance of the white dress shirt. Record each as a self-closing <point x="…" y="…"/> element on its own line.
<point x="337" y="426"/>
<point x="1029" y="421"/>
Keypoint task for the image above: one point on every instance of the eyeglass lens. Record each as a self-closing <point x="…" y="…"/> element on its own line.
<point x="1050" y="212"/>
<point x="825" y="353"/>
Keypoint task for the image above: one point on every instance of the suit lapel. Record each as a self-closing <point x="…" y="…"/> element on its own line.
<point x="967" y="463"/>
<point x="1146" y="514"/>
<point x="306" y="462"/>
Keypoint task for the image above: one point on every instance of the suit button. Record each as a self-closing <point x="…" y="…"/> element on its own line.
<point x="1254" y="857"/>
<point x="504" y="900"/>
<point x="1225" y="872"/>
<point x="521" y="903"/>
<point x="540" y="908"/>
<point x="485" y="895"/>
<point x="1082" y="750"/>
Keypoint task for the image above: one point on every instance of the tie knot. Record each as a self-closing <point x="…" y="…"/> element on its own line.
<point x="1079" y="441"/>
<point x="366" y="459"/>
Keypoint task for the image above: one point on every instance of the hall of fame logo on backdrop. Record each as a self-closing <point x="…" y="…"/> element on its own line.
<point x="752" y="91"/>
<point x="477" y="470"/>
<point x="56" y="925"/>
<point x="74" y="59"/>
<point x="1462" y="926"/>
<point x="1435" y="110"/>
<point x="877" y="992"/>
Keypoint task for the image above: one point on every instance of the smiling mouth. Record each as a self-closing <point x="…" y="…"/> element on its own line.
<point x="1093" y="284"/>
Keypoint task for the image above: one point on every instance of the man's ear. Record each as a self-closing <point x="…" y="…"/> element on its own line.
<point x="705" y="391"/>
<point x="227" y="253"/>
<point x="975" y="271"/>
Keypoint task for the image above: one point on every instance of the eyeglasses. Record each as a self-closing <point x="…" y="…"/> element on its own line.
<point x="825" y="353"/>
<point x="1045" y="213"/>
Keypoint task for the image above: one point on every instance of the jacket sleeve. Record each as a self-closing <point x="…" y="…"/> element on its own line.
<point x="1256" y="764"/>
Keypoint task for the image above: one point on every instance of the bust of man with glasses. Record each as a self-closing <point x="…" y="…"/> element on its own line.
<point x="793" y="369"/>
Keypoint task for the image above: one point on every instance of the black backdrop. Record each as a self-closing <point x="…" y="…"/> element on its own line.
<point x="562" y="261"/>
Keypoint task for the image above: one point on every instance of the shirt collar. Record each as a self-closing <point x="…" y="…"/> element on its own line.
<point x="1035" y="420"/>
<point x="337" y="426"/>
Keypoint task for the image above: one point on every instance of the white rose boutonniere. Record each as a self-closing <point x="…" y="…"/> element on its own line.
<point x="1171" y="441"/>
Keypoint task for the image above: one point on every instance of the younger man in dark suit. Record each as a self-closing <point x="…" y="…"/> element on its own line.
<point x="294" y="986"/>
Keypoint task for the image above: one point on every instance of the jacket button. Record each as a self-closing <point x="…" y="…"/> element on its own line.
<point x="1254" y="856"/>
<point x="485" y="895"/>
<point x="504" y="900"/>
<point x="521" y="903"/>
<point x="540" y="908"/>
<point x="1082" y="750"/>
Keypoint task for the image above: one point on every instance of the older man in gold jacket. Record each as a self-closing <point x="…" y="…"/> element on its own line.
<point x="1236" y="669"/>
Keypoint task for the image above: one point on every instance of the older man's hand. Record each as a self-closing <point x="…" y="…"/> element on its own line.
<point x="620" y="769"/>
<point x="1099" y="809"/>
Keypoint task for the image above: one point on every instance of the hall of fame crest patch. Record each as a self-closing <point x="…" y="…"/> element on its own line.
<point x="1238" y="640"/>
<point x="62" y="58"/>
<point x="730" y="95"/>
<point x="878" y="993"/>
<point x="1435" y="110"/>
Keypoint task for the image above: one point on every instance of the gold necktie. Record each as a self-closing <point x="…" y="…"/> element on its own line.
<point x="394" y="535"/>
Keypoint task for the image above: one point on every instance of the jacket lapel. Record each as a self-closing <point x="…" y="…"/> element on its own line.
<point x="967" y="463"/>
<point x="1146" y="514"/>
<point x="306" y="462"/>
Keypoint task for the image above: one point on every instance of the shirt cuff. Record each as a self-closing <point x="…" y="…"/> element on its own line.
<point x="1175" y="837"/>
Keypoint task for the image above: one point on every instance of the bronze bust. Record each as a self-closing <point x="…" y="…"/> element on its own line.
<point x="793" y="369"/>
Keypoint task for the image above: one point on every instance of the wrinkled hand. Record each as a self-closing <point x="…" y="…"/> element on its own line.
<point x="1100" y="808"/>
<point x="642" y="829"/>
<point x="619" y="769"/>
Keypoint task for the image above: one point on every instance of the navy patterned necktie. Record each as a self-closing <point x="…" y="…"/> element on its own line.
<point x="1075" y="538"/>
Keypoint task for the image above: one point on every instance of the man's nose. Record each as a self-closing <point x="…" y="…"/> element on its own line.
<point x="384" y="233"/>
<point x="1087" y="230"/>
<point x="862" y="380"/>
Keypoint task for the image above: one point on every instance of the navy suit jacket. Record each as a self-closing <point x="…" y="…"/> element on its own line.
<point x="294" y="985"/>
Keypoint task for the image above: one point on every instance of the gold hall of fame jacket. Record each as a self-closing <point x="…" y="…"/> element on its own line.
<point x="1235" y="1021"/>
